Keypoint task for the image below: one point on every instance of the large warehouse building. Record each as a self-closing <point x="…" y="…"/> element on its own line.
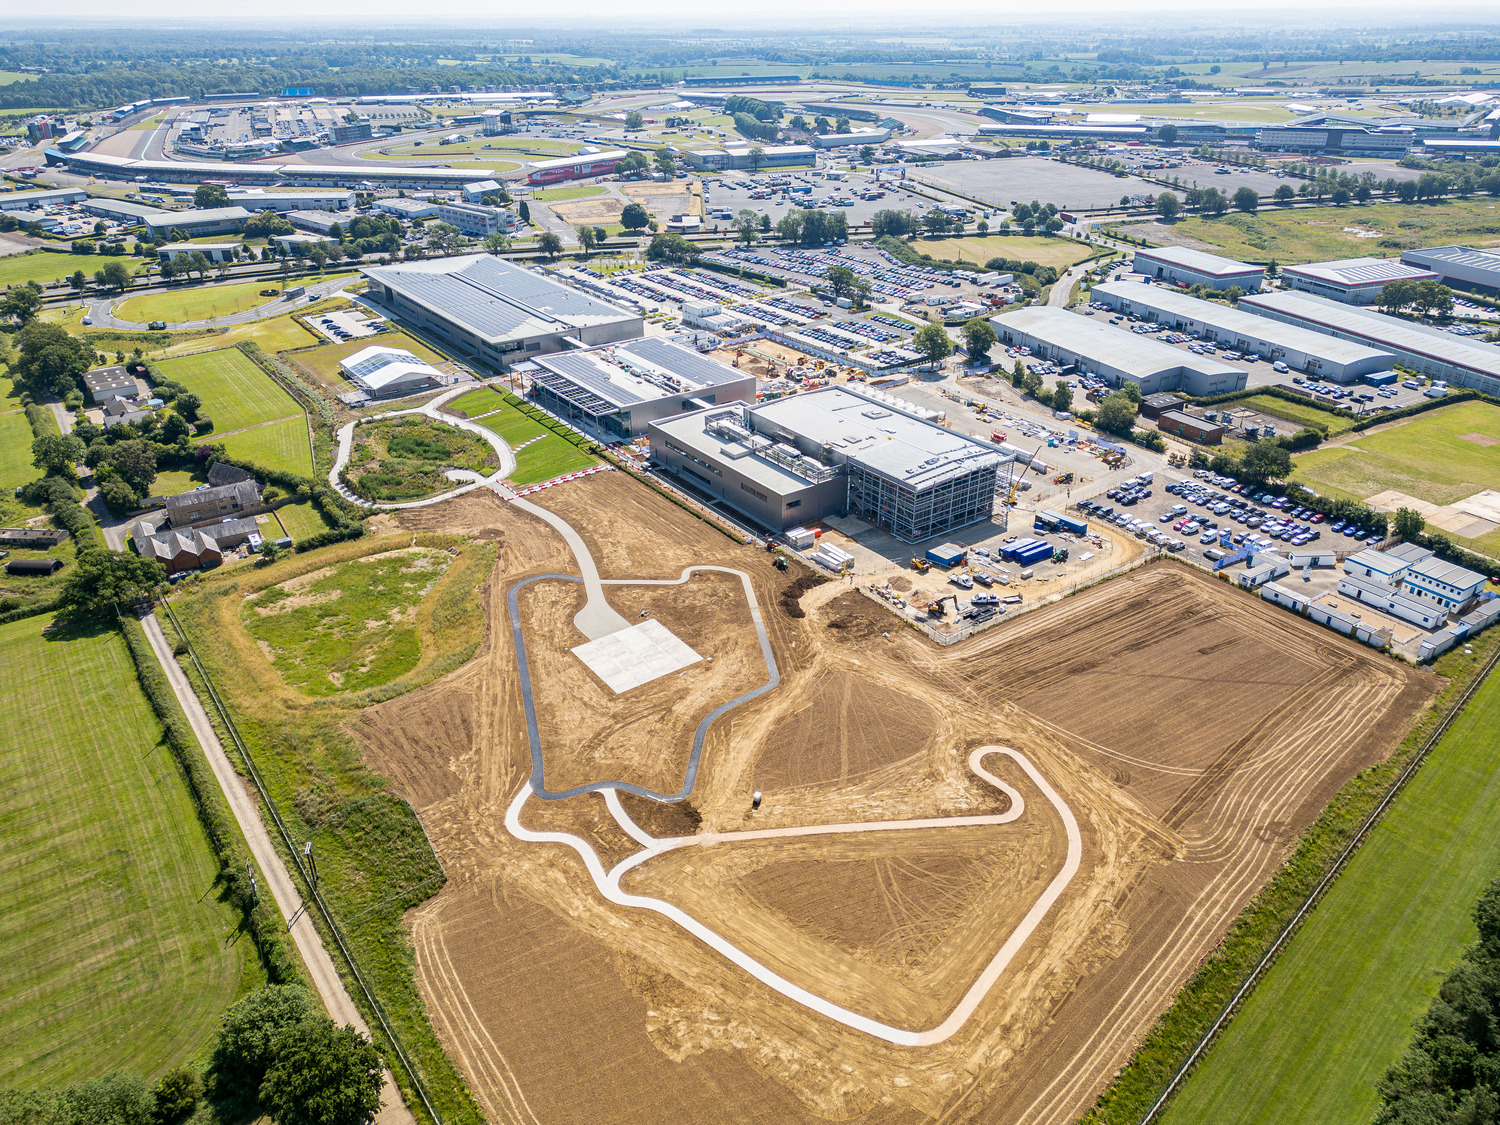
<point x="574" y="167"/>
<point x="1120" y="357"/>
<point x="1355" y="281"/>
<point x="497" y="312"/>
<point x="1299" y="348"/>
<point x="1181" y="266"/>
<point x="264" y="172"/>
<point x="1436" y="354"/>
<point x="618" y="391"/>
<point x="834" y="451"/>
<point x="1459" y="265"/>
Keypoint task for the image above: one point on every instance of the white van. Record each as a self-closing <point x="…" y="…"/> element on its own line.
<point x="1280" y="367"/>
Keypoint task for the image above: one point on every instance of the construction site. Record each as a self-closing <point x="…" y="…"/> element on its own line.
<point x="794" y="862"/>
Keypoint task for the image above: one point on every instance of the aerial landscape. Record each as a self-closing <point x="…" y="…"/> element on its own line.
<point x="856" y="565"/>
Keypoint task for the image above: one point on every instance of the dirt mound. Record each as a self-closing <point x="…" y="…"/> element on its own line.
<point x="790" y="597"/>
<point x="853" y="617"/>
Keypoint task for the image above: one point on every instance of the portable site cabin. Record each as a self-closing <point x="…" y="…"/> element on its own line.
<point x="948" y="555"/>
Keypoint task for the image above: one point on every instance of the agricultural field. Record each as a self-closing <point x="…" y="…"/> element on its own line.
<point x="541" y="454"/>
<point x="235" y="392"/>
<point x="1337" y="1009"/>
<point x="349" y="627"/>
<point x="1433" y="462"/>
<point x="1123" y="841"/>
<point x="406" y="458"/>
<point x="1358" y="230"/>
<point x="117" y="950"/>
<point x="274" y="445"/>
<point x="1059" y="252"/>
<point x="15" y="451"/>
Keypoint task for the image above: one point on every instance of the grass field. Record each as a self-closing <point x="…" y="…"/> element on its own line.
<point x="1295" y="412"/>
<point x="116" y="950"/>
<point x="558" y="194"/>
<point x="1337" y="1009"/>
<point x="235" y="392"/>
<point x="169" y="482"/>
<point x="478" y="402"/>
<point x="1317" y="233"/>
<point x="548" y="456"/>
<point x="1059" y="252"/>
<point x="324" y="362"/>
<point x="200" y="302"/>
<point x="276" y="445"/>
<point x="300" y="520"/>
<point x="15" y="451"/>
<point x="17" y="269"/>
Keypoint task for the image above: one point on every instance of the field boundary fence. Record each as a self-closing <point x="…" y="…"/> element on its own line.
<point x="309" y="884"/>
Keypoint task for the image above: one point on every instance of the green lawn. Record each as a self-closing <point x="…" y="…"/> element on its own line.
<point x="117" y="952"/>
<point x="1423" y="457"/>
<point x="203" y="302"/>
<point x="478" y="402"/>
<point x="325" y="361"/>
<point x="548" y="457"/>
<point x="299" y="521"/>
<point x="348" y="630"/>
<point x="169" y="482"/>
<point x="15" y="451"/>
<point x="1296" y="412"/>
<point x="235" y="392"/>
<point x="40" y="266"/>
<point x="558" y="194"/>
<point x="1336" y="1010"/>
<point x="276" y="445"/>
<point x="1318" y="233"/>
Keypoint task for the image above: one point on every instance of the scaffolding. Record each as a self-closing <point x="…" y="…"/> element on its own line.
<point x="913" y="514"/>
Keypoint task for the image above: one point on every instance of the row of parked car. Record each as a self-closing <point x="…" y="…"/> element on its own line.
<point x="1280" y="519"/>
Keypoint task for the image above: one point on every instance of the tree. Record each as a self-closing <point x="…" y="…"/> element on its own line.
<point x="264" y="225"/>
<point x="1409" y="524"/>
<point x="633" y="217"/>
<point x="22" y="302"/>
<point x="937" y="221"/>
<point x="755" y="158"/>
<point x="56" y="454"/>
<point x="1340" y="197"/>
<point x="1116" y="414"/>
<point x="979" y="337"/>
<point x="188" y="405"/>
<point x="549" y="244"/>
<point x="1396" y="295"/>
<point x="243" y="1051"/>
<point x="176" y="1095"/>
<point x="210" y="195"/>
<point x="840" y="124"/>
<point x="1264" y="461"/>
<point x="102" y="579"/>
<point x="666" y="164"/>
<point x="840" y="280"/>
<point x="1284" y="195"/>
<point x="586" y="239"/>
<point x="934" y="343"/>
<point x="634" y="121"/>
<point x="115" y="275"/>
<point x="523" y="209"/>
<point x="79" y="280"/>
<point x="1018" y="375"/>
<point x="118" y="496"/>
<point x="1167" y="134"/>
<point x="747" y="226"/>
<point x="666" y="246"/>
<point x="135" y="462"/>
<point x="867" y="154"/>
<point x="49" y="360"/>
<point x="822" y="125"/>
<point x="1246" y="199"/>
<point x="1062" y="396"/>
<point x="322" y="1075"/>
<point x="1168" y="205"/>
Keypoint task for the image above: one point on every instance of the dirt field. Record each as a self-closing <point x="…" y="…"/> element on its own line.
<point x="1191" y="729"/>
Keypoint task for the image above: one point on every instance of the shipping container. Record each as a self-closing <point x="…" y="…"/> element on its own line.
<point x="1073" y="524"/>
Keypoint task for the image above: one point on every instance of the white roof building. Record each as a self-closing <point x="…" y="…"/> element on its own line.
<point x="1462" y="264"/>
<point x="1355" y="281"/>
<point x="385" y="372"/>
<point x="1179" y="264"/>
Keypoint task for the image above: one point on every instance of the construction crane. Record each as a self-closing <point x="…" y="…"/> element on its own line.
<point x="1015" y="482"/>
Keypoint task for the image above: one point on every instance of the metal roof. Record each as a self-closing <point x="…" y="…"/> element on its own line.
<point x="580" y="158"/>
<point x="1160" y="299"/>
<point x="685" y="363"/>
<point x="1198" y="261"/>
<point x="1360" y="271"/>
<point x="1450" y="574"/>
<point x="193" y="218"/>
<point x="1468" y="257"/>
<point x="604" y="380"/>
<point x="1104" y="345"/>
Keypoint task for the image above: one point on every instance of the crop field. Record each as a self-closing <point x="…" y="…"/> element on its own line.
<point x="235" y="392"/>
<point x="1121" y="842"/>
<point x="117" y="951"/>
<point x="275" y="445"/>
<point x="1437" y="458"/>
<point x="15" y="451"/>
<point x="348" y="627"/>
<point x="1336" y="1010"/>
<point x="1059" y="252"/>
<point x="1357" y="230"/>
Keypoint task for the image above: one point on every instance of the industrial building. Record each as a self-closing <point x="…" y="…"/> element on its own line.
<point x="618" y="391"/>
<point x="1458" y="265"/>
<point x="105" y="383"/>
<point x="496" y="311"/>
<point x="209" y="220"/>
<point x="1119" y="356"/>
<point x="385" y="372"/>
<point x="475" y="192"/>
<point x="121" y="210"/>
<point x="1427" y="351"/>
<point x="574" y="167"/>
<point x="1186" y="426"/>
<point x="214" y="251"/>
<point x="265" y="172"/>
<point x="284" y="201"/>
<point x="1299" y="348"/>
<point x="319" y="222"/>
<point x="853" y="138"/>
<point x="840" y="450"/>
<point x="22" y="200"/>
<point x="743" y="80"/>
<point x="1181" y="266"/>
<point x="1347" y="141"/>
<point x="738" y="156"/>
<point x="1355" y="281"/>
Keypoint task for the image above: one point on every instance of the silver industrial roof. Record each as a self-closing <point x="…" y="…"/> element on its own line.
<point x="1198" y="261"/>
<point x="192" y="218"/>
<point x="1163" y="300"/>
<point x="908" y="450"/>
<point x="683" y="362"/>
<point x="1360" y="271"/>
<point x="1103" y="344"/>
<point x="495" y="299"/>
<point x="1456" y="256"/>
<point x="612" y="378"/>
<point x="1378" y="329"/>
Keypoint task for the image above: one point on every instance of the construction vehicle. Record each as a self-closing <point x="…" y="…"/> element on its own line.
<point x="1063" y="478"/>
<point x="935" y="609"/>
<point x="920" y="565"/>
<point x="1015" y="484"/>
<point x="780" y="562"/>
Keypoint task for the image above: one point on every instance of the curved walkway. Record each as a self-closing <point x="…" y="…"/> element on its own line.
<point x="608" y="883"/>
<point x="102" y="312"/>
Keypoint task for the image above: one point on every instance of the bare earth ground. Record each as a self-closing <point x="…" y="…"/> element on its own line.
<point x="1192" y="730"/>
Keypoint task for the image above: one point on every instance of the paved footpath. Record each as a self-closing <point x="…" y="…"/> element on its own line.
<point x="315" y="956"/>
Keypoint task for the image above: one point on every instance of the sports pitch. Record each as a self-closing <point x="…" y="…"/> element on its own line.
<point x="235" y="392"/>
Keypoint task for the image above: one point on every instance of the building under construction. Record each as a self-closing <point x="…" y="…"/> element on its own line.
<point x="840" y="451"/>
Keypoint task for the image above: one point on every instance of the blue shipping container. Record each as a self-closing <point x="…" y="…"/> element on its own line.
<point x="1010" y="550"/>
<point x="1041" y="552"/>
<point x="947" y="555"/>
<point x="1073" y="524"/>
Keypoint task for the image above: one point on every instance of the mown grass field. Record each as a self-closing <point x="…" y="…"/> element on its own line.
<point x="557" y="195"/>
<point x="1296" y="412"/>
<point x="15" y="451"/>
<point x="1336" y="1010"/>
<point x="235" y="392"/>
<point x="1059" y="252"/>
<point x="478" y="402"/>
<point x="299" y="520"/>
<point x="276" y="445"/>
<point x="205" y="302"/>
<point x="548" y="455"/>
<point x="17" y="269"/>
<point x="117" y="952"/>
<point x="324" y="362"/>
<point x="1318" y="233"/>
